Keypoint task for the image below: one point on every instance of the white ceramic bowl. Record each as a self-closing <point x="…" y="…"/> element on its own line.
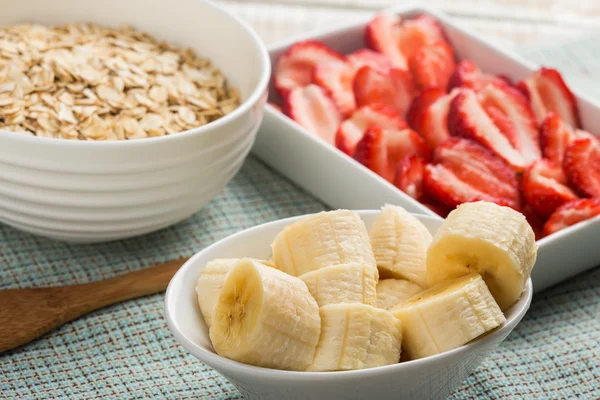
<point x="96" y="191"/>
<point x="341" y="182"/>
<point x="428" y="378"/>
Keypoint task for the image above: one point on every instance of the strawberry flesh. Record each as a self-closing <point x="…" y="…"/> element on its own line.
<point x="336" y="78"/>
<point x="420" y="104"/>
<point x="312" y="108"/>
<point x="572" y="213"/>
<point x="548" y="92"/>
<point x="371" y="151"/>
<point x="382" y="35"/>
<point x="544" y="187"/>
<point x="417" y="33"/>
<point x="434" y="125"/>
<point x="467" y="74"/>
<point x="432" y="65"/>
<point x="555" y="137"/>
<point x="409" y="176"/>
<point x="582" y="166"/>
<point x="366" y="57"/>
<point x="395" y="88"/>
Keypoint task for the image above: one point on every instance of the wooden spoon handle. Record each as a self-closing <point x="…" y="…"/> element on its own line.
<point x="26" y="314"/>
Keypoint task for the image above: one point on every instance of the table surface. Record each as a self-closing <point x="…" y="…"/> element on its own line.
<point x="126" y="351"/>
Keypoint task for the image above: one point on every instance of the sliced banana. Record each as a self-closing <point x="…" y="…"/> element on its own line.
<point x="394" y="292"/>
<point x="447" y="316"/>
<point x="321" y="240"/>
<point x="400" y="243"/>
<point x="265" y="317"/>
<point x="345" y="283"/>
<point x="356" y="336"/>
<point x="495" y="241"/>
<point x="210" y="283"/>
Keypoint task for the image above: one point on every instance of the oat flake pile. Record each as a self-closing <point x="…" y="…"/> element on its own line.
<point x="94" y="83"/>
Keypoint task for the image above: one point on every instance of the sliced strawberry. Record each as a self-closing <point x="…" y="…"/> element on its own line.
<point x="275" y="106"/>
<point x="418" y="32"/>
<point x="420" y="104"/>
<point x="519" y="125"/>
<point x="535" y="221"/>
<point x="479" y="168"/>
<point x="382" y="35"/>
<point x="582" y="166"/>
<point x="503" y="123"/>
<point x="294" y="68"/>
<point x="405" y="142"/>
<point x="442" y="184"/>
<point x="467" y="118"/>
<point x="371" y="151"/>
<point x="352" y="129"/>
<point x="336" y="78"/>
<point x="395" y="89"/>
<point x="572" y="213"/>
<point x="409" y="176"/>
<point x="548" y="92"/>
<point x="370" y="58"/>
<point x="434" y="125"/>
<point x="467" y="74"/>
<point x="555" y="137"/>
<point x="544" y="187"/>
<point x="432" y="65"/>
<point x="312" y="108"/>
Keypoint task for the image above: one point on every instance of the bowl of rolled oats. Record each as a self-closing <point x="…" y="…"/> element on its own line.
<point x="121" y="117"/>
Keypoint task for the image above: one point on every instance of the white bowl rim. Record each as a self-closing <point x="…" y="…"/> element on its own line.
<point x="259" y="89"/>
<point x="216" y="361"/>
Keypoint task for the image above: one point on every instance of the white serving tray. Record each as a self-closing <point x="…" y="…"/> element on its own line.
<point x="340" y="182"/>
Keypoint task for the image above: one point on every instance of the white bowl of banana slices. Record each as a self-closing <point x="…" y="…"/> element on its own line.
<point x="353" y="305"/>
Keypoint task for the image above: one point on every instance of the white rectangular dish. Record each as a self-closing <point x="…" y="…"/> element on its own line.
<point x="341" y="182"/>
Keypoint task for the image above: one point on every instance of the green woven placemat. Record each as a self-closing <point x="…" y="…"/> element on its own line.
<point x="126" y="351"/>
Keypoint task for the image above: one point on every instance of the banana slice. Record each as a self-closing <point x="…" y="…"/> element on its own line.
<point x="394" y="292"/>
<point x="400" y="243"/>
<point x="210" y="283"/>
<point x="345" y="283"/>
<point x="321" y="240"/>
<point x="495" y="241"/>
<point x="356" y="336"/>
<point x="447" y="316"/>
<point x="265" y="317"/>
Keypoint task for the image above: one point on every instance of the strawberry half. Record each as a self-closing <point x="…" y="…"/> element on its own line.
<point x="467" y="118"/>
<point x="479" y="168"/>
<point x="434" y="125"/>
<point x="312" y="108"/>
<point x="409" y="176"/>
<point x="353" y="129"/>
<point x="370" y="58"/>
<point x="555" y="137"/>
<point x="294" y="68"/>
<point x="371" y="151"/>
<point x="544" y="187"/>
<point x="418" y="32"/>
<point x="467" y="74"/>
<point x="572" y="213"/>
<point x="432" y="65"/>
<point x="336" y="78"/>
<point x="519" y="124"/>
<point x="382" y="35"/>
<point x="420" y="104"/>
<point x="582" y="166"/>
<point x="405" y="142"/>
<point x="548" y="92"/>
<point x="395" y="88"/>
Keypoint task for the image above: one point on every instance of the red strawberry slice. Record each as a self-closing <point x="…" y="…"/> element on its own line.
<point x="548" y="92"/>
<point x="519" y="125"/>
<point x="572" y="213"/>
<point x="503" y="123"/>
<point x="467" y="74"/>
<point x="582" y="166"/>
<point x="434" y="125"/>
<point x="336" y="78"/>
<point x="371" y="151"/>
<point x="370" y="58"/>
<point x="405" y="142"/>
<point x="555" y="137"/>
<point x="535" y="221"/>
<point x="432" y="65"/>
<point x="419" y="32"/>
<point x="467" y="118"/>
<point x="420" y="104"/>
<point x="275" y="106"/>
<point x="353" y="129"/>
<point x="394" y="89"/>
<point x="312" y="108"/>
<point x="544" y="186"/>
<point x="479" y="168"/>
<point x="409" y="176"/>
<point x="294" y="68"/>
<point x="382" y="35"/>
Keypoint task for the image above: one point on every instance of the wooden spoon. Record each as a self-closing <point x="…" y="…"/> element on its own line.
<point x="26" y="314"/>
